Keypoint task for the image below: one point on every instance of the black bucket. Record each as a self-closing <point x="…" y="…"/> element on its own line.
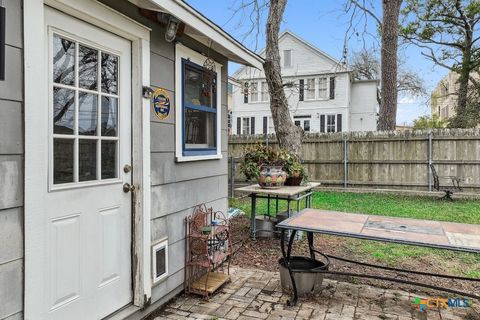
<point x="307" y="279"/>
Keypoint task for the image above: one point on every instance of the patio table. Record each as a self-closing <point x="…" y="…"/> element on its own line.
<point x="424" y="233"/>
<point x="288" y="193"/>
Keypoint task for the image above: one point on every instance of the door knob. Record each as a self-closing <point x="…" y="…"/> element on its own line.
<point x="128" y="188"/>
<point x="127" y="168"/>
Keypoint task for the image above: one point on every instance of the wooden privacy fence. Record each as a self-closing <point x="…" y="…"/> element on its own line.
<point x="386" y="160"/>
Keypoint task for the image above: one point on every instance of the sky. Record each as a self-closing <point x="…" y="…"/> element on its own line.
<point x="323" y="23"/>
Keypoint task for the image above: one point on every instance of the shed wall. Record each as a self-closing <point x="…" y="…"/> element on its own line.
<point x="177" y="187"/>
<point x="11" y="167"/>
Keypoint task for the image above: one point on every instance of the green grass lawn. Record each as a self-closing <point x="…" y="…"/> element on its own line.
<point x="463" y="211"/>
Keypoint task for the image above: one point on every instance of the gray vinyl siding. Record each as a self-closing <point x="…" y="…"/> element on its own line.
<point x="11" y="167"/>
<point x="177" y="187"/>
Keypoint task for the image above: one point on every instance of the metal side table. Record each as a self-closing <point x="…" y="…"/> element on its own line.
<point x="287" y="193"/>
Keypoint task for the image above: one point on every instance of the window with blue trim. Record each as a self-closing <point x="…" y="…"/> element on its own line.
<point x="199" y="107"/>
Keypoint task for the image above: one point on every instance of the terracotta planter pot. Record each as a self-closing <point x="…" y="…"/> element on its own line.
<point x="271" y="177"/>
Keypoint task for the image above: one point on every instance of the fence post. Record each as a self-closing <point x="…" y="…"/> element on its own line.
<point x="430" y="160"/>
<point x="345" y="162"/>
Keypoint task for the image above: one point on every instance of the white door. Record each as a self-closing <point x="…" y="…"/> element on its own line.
<point x="87" y="271"/>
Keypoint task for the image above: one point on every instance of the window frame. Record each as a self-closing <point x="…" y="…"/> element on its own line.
<point x="314" y="90"/>
<point x="187" y="151"/>
<point x="290" y="64"/>
<point x="325" y="89"/>
<point x="183" y="53"/>
<point x="301" y="119"/>
<point x="254" y="85"/>
<point x="264" y="96"/>
<point x="245" y="121"/>
<point x="76" y="136"/>
<point x="334" y="122"/>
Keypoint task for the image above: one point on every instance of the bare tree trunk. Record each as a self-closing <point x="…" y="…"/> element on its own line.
<point x="288" y="134"/>
<point x="460" y="120"/>
<point x="388" y="107"/>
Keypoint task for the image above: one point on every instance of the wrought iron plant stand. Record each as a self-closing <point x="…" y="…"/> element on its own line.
<point x="208" y="248"/>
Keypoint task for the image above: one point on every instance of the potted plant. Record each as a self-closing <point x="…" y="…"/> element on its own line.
<point x="296" y="173"/>
<point x="264" y="164"/>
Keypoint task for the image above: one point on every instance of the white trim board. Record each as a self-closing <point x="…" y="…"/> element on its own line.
<point x="36" y="174"/>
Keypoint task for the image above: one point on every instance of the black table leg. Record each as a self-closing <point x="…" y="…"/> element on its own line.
<point x="292" y="302"/>
<point x="252" y="218"/>
<point x="268" y="206"/>
<point x="276" y="205"/>
<point x="310" y="244"/>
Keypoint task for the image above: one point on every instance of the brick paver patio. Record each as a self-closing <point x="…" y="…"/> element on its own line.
<point x="256" y="294"/>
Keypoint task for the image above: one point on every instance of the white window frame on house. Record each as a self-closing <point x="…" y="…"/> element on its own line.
<point x="309" y="90"/>
<point x="245" y="125"/>
<point x="287" y="63"/>
<point x="271" y="126"/>
<point x="254" y="96"/>
<point x="182" y="53"/>
<point x="159" y="245"/>
<point x="323" y="90"/>
<point x="334" y="123"/>
<point x="264" y="91"/>
<point x="302" y="120"/>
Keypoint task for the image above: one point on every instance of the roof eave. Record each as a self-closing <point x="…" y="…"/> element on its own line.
<point x="234" y="50"/>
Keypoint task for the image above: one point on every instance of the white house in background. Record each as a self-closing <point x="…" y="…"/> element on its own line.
<point x="323" y="96"/>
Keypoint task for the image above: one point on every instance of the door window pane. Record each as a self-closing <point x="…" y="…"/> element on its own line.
<point x="87" y="68"/>
<point x="87" y="113"/>
<point x="199" y="129"/>
<point x="109" y="73"/>
<point x="62" y="160"/>
<point x="109" y="159"/>
<point x="109" y="116"/>
<point x="63" y="61"/>
<point x="87" y="160"/>
<point x="63" y="110"/>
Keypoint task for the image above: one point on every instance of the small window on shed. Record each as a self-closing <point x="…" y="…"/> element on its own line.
<point x="159" y="261"/>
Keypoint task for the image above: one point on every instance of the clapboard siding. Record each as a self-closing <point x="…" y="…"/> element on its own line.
<point x="166" y="171"/>
<point x="11" y="167"/>
<point x="11" y="284"/>
<point x="11" y="127"/>
<point x="177" y="187"/>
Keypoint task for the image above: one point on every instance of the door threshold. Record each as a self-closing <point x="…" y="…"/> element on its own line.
<point x="123" y="313"/>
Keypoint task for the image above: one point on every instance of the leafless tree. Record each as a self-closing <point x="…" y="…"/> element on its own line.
<point x="366" y="66"/>
<point x="389" y="31"/>
<point x="289" y="135"/>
